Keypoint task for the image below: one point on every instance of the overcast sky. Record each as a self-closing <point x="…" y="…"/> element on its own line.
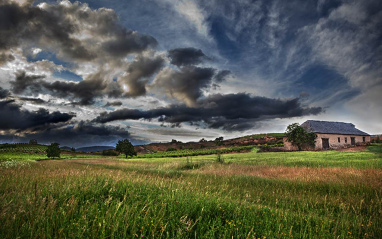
<point x="97" y="71"/>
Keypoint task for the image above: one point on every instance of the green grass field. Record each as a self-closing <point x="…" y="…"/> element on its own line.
<point x="325" y="194"/>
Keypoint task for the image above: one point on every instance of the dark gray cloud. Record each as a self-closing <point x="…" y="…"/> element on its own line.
<point x="88" y="128"/>
<point x="113" y="103"/>
<point x="24" y="82"/>
<point x="222" y="76"/>
<point x="94" y="86"/>
<point x="139" y="72"/>
<point x="55" y="27"/>
<point x="82" y="133"/>
<point x="74" y="33"/>
<point x="33" y="24"/>
<point x="4" y="93"/>
<point x="127" y="42"/>
<point x="85" y="91"/>
<point x="33" y="100"/>
<point x="233" y="112"/>
<point x="5" y="57"/>
<point x="13" y="117"/>
<point x="185" y="85"/>
<point x="186" y="56"/>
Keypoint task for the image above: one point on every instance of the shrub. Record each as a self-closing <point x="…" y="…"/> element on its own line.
<point x="299" y="137"/>
<point x="109" y="152"/>
<point x="219" y="158"/>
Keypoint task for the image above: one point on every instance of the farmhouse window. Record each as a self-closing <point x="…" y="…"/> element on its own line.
<point x="339" y="140"/>
<point x="346" y="140"/>
<point x="364" y="139"/>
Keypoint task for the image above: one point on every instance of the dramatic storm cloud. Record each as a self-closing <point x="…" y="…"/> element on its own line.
<point x="57" y="28"/>
<point x="83" y="133"/>
<point x="3" y="93"/>
<point x="114" y="103"/>
<point x="85" y="90"/>
<point x="138" y="74"/>
<point x="229" y="112"/>
<point x="185" y="85"/>
<point x="186" y="56"/>
<point x="94" y="72"/>
<point x="74" y="34"/>
<point x="13" y="117"/>
<point x="222" y="75"/>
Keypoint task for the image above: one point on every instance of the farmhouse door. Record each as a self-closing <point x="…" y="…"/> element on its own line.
<point x="325" y="143"/>
<point x="352" y="140"/>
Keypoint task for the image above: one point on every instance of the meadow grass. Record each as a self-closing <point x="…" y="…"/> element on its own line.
<point x="293" y="196"/>
<point x="21" y="156"/>
<point x="371" y="158"/>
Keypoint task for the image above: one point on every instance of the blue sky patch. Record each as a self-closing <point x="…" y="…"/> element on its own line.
<point x="44" y="55"/>
<point x="67" y="75"/>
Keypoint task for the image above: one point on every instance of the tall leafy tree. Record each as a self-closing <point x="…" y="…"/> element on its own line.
<point x="219" y="141"/>
<point x="125" y="147"/>
<point x="299" y="137"/>
<point x="53" y="151"/>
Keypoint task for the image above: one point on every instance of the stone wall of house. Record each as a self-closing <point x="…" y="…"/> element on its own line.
<point x="345" y="141"/>
<point x="341" y="141"/>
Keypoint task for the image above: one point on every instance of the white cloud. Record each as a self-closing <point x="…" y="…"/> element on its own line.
<point x="194" y="15"/>
<point x="349" y="49"/>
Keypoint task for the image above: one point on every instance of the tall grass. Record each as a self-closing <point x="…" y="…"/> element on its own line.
<point x="139" y="199"/>
<point x="20" y="156"/>
<point x="371" y="158"/>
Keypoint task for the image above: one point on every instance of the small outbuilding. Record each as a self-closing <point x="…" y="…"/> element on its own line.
<point x="332" y="135"/>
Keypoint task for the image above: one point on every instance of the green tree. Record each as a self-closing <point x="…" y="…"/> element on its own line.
<point x="53" y="151"/>
<point x="219" y="141"/>
<point x="299" y="137"/>
<point x="125" y="147"/>
<point x="33" y="141"/>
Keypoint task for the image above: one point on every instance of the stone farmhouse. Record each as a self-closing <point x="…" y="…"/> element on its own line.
<point x="332" y="135"/>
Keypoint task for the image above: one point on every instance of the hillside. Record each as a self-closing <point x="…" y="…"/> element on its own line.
<point x="23" y="147"/>
<point x="256" y="139"/>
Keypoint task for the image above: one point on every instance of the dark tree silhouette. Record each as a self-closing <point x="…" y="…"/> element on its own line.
<point x="219" y="141"/>
<point x="125" y="147"/>
<point x="33" y="141"/>
<point x="53" y="151"/>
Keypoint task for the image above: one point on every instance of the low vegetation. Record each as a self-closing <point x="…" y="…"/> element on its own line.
<point x="194" y="152"/>
<point x="23" y="147"/>
<point x="326" y="194"/>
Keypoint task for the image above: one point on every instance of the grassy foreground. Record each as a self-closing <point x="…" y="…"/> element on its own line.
<point x="252" y="195"/>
